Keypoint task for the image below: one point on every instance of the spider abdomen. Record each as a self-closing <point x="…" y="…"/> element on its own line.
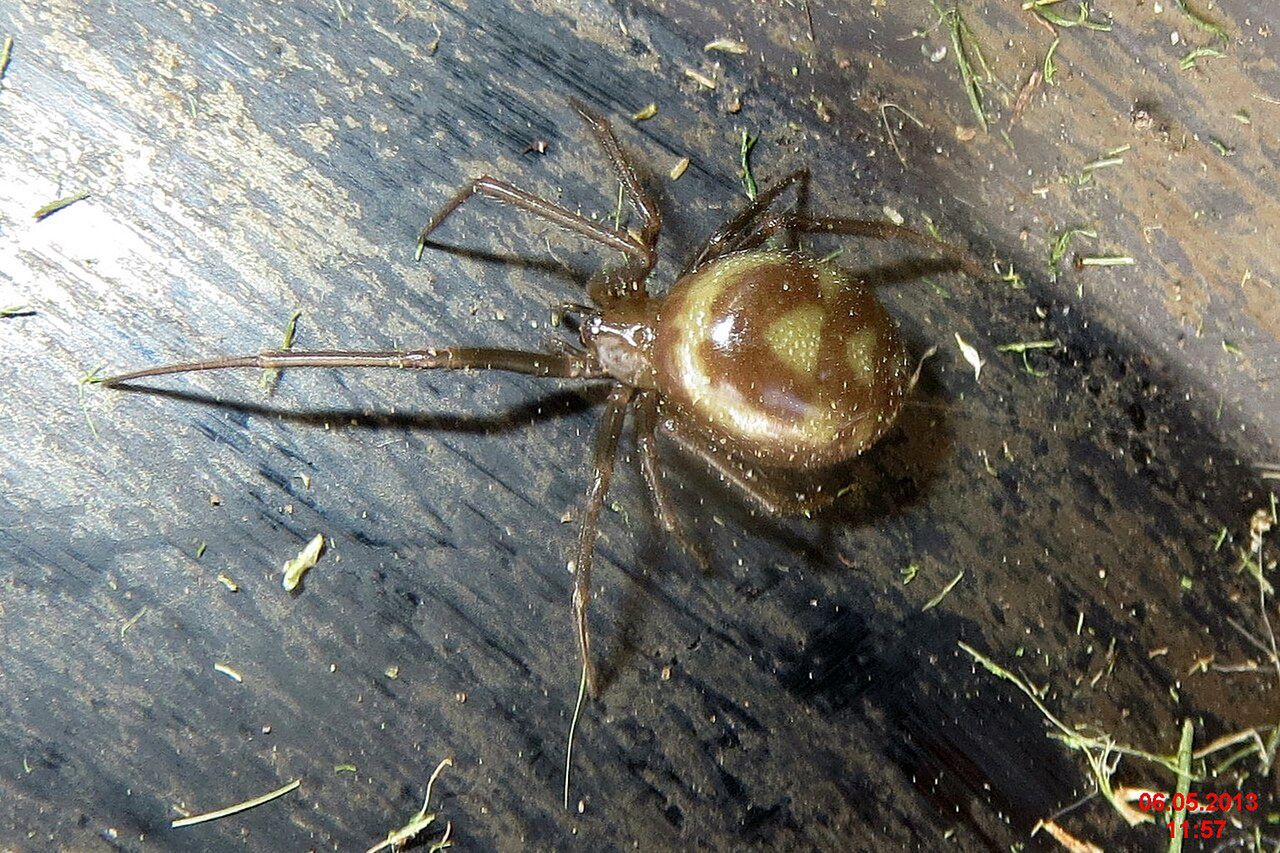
<point x="781" y="356"/>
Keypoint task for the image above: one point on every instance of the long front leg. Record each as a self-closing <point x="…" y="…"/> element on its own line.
<point x="559" y="365"/>
<point x="640" y="198"/>
<point x="606" y="450"/>
<point x="524" y="200"/>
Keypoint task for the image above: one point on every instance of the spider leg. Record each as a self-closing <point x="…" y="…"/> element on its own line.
<point x="874" y="228"/>
<point x="510" y="194"/>
<point x="562" y="365"/>
<point x="640" y="199"/>
<point x="727" y="237"/>
<point x="650" y="469"/>
<point x="629" y="282"/>
<point x="773" y="498"/>
<point x="606" y="450"/>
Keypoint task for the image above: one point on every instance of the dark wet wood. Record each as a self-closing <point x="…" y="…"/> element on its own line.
<point x="247" y="160"/>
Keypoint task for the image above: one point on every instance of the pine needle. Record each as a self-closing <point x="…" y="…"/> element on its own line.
<point x="573" y="727"/>
<point x="237" y="808"/>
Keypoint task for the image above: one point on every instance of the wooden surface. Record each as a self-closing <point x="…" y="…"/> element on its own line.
<point x="248" y="160"/>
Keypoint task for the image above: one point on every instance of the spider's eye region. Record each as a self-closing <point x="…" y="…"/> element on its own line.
<point x="785" y="357"/>
<point x="623" y="345"/>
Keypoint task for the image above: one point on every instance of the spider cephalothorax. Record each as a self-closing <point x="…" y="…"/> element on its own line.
<point x="768" y="364"/>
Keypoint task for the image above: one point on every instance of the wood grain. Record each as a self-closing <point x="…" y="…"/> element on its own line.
<point x="247" y="160"/>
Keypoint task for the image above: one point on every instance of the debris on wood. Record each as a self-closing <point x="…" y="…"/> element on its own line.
<point x="60" y="204"/>
<point x="1045" y="11"/>
<point x="1179" y="816"/>
<point x="1058" y="249"/>
<point x="1189" y="60"/>
<point x="124" y="629"/>
<point x="1203" y="23"/>
<point x="1025" y="95"/>
<point x="6" y="53"/>
<point x="893" y="141"/>
<point x="1050" y="67"/>
<point x="1111" y="159"/>
<point x="1221" y="147"/>
<point x="270" y="374"/>
<point x="93" y="377"/>
<point x="1066" y="839"/>
<point x="700" y="78"/>
<point x="970" y="355"/>
<point x="1023" y="347"/>
<point x="963" y="43"/>
<point x="946" y="590"/>
<point x="1104" y="261"/>
<point x="573" y="728"/>
<point x="228" y="672"/>
<point x="238" y="807"/>
<point x="307" y="558"/>
<point x="1100" y="750"/>
<point x="744" y="164"/>
<point x="726" y="46"/>
<point x="399" y="839"/>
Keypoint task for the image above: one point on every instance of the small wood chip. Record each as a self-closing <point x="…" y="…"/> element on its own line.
<point x="228" y="672"/>
<point x="1069" y="841"/>
<point x="6" y="51"/>
<point x="700" y="78"/>
<point x="54" y="206"/>
<point x="1025" y="94"/>
<point x="299" y="565"/>
<point x="970" y="355"/>
<point x="726" y="46"/>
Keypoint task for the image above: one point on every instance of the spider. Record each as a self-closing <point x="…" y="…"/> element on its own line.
<point x="770" y="365"/>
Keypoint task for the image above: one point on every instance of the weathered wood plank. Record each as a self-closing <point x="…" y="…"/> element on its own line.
<point x="246" y="161"/>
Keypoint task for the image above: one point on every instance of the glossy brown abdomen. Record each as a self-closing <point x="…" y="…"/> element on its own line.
<point x="784" y="358"/>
